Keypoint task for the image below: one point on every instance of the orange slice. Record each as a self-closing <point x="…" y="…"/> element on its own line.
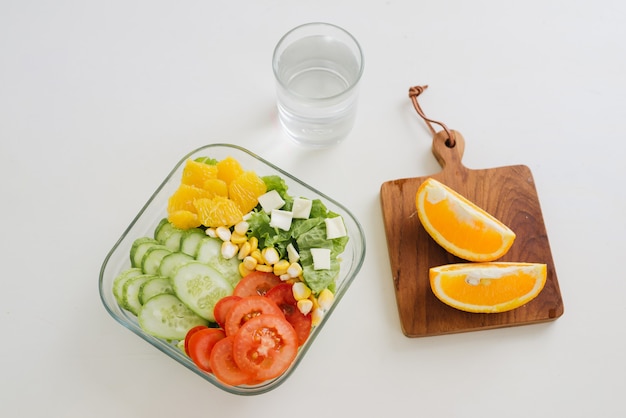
<point x="218" y="211"/>
<point x="245" y="190"/>
<point x="216" y="187"/>
<point x="184" y="196"/>
<point x="459" y="226"/>
<point x="196" y="173"/>
<point x="228" y="169"/>
<point x="487" y="287"/>
<point x="184" y="219"/>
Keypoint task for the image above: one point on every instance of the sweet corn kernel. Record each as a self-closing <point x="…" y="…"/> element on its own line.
<point x="242" y="227"/>
<point x="257" y="256"/>
<point x="316" y="316"/>
<point x="223" y="233"/>
<point x="270" y="255"/>
<point x="249" y="263"/>
<point x="244" y="250"/>
<point x="305" y="306"/>
<point x="300" y="291"/>
<point x="211" y="232"/>
<point x="325" y="299"/>
<point x="237" y="238"/>
<point x="294" y="270"/>
<point x="284" y="277"/>
<point x="229" y="250"/>
<point x="314" y="300"/>
<point x="264" y="268"/>
<point x="243" y="271"/>
<point x="254" y="243"/>
<point x="281" y="267"/>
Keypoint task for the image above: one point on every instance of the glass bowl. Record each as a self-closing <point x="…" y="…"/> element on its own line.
<point x="155" y="209"/>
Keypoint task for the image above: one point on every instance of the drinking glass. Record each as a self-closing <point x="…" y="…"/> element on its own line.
<point x="317" y="67"/>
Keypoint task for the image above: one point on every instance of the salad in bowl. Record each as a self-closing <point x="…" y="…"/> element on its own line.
<point x="232" y="268"/>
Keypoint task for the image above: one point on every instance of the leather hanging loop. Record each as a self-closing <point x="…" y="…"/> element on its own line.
<point x="413" y="93"/>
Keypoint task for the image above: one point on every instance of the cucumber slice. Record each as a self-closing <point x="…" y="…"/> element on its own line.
<point x="153" y="287"/>
<point x="139" y="248"/>
<point x="173" y="240"/>
<point x="130" y="292"/>
<point x="210" y="252"/>
<point x="168" y="235"/>
<point x="171" y="262"/>
<point x="151" y="260"/>
<point x="199" y="286"/>
<point x="165" y="316"/>
<point x="164" y="223"/>
<point x="190" y="241"/>
<point x="123" y="277"/>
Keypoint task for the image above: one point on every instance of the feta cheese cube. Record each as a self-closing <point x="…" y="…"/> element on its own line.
<point x="301" y="208"/>
<point x="321" y="258"/>
<point x="292" y="253"/>
<point x="335" y="228"/>
<point x="281" y="219"/>
<point x="271" y="200"/>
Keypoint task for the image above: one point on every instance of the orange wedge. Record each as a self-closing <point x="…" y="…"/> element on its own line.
<point x="196" y="173"/>
<point x="459" y="226"/>
<point x="487" y="287"/>
<point x="184" y="219"/>
<point x="245" y="190"/>
<point x="218" y="211"/>
<point x="228" y="169"/>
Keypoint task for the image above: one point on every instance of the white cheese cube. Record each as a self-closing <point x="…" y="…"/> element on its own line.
<point x="321" y="258"/>
<point x="281" y="219"/>
<point x="335" y="228"/>
<point x="292" y="253"/>
<point x="301" y="208"/>
<point x="271" y="200"/>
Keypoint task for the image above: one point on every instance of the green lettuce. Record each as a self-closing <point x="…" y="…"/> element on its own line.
<point x="304" y="234"/>
<point x="207" y="160"/>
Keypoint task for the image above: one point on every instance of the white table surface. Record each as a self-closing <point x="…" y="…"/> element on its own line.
<point x="98" y="101"/>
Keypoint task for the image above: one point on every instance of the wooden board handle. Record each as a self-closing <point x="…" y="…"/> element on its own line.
<point x="449" y="157"/>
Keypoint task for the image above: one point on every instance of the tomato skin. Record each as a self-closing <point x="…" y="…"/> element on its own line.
<point x="282" y="294"/>
<point x="265" y="346"/>
<point x="201" y="344"/>
<point x="245" y="309"/>
<point x="190" y="333"/>
<point x="224" y="366"/>
<point x="222" y="307"/>
<point x="257" y="283"/>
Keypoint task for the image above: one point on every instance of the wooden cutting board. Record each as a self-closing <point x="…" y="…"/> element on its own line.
<point x="509" y="194"/>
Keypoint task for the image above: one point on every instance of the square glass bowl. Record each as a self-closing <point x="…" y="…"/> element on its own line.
<point x="144" y="224"/>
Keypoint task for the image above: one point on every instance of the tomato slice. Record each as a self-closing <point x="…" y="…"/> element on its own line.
<point x="224" y="366"/>
<point x="282" y="294"/>
<point x="247" y="308"/>
<point x="256" y="283"/>
<point x="189" y="334"/>
<point x="201" y="344"/>
<point x="265" y="346"/>
<point x="222" y="307"/>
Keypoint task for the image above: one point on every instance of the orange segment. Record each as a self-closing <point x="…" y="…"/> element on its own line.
<point x="459" y="226"/>
<point x="184" y="219"/>
<point x="487" y="287"/>
<point x="196" y="173"/>
<point x="228" y="169"/>
<point x="245" y="190"/>
<point x="216" y="186"/>
<point x="184" y="196"/>
<point x="218" y="211"/>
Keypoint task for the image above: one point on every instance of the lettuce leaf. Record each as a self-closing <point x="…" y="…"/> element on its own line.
<point x="304" y="234"/>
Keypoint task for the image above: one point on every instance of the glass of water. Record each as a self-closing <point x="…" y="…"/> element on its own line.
<point x="317" y="67"/>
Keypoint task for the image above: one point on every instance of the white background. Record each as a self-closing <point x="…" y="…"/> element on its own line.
<point x="99" y="100"/>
